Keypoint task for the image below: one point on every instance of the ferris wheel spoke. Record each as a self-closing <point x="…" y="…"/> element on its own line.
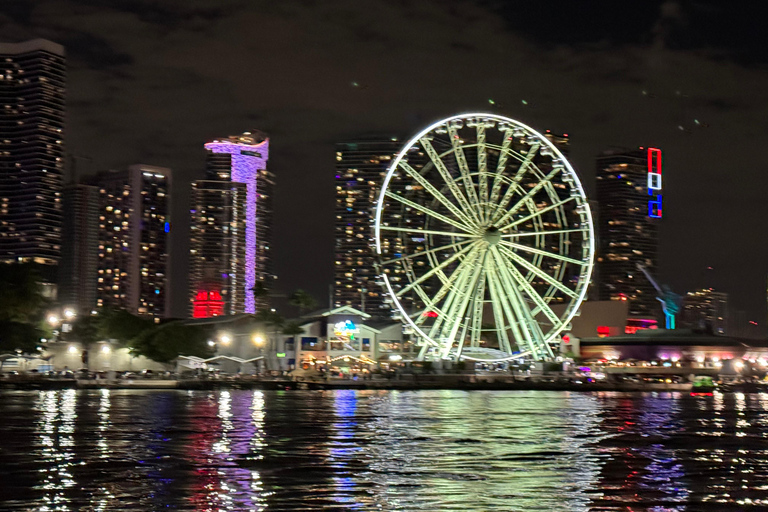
<point x="430" y="303"/>
<point x="501" y="166"/>
<point x="461" y="304"/>
<point x="453" y="299"/>
<point x="544" y="233"/>
<point x="427" y="232"/>
<point x="537" y="272"/>
<point x="514" y="184"/>
<point x="461" y="159"/>
<point x="524" y="285"/>
<point x="537" y="213"/>
<point x="453" y="246"/>
<point x="447" y="178"/>
<point x="515" y="321"/>
<point x="543" y="253"/>
<point x="530" y="328"/>
<point x="528" y="195"/>
<point x="429" y="212"/>
<point x="482" y="171"/>
<point x="498" y="315"/>
<point x="421" y="180"/>
<point x="478" y="305"/>
<point x="469" y="250"/>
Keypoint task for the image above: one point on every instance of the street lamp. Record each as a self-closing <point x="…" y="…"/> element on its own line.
<point x="69" y="314"/>
<point x="225" y="339"/>
<point x="258" y="340"/>
<point x="53" y="320"/>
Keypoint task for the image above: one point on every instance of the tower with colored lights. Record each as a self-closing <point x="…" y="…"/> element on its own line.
<point x="32" y="88"/>
<point x="134" y="232"/>
<point x="361" y="165"/>
<point x="629" y="196"/>
<point x="232" y="227"/>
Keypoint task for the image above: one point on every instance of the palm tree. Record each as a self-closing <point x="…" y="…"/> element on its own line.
<point x="272" y="319"/>
<point x="260" y="293"/>
<point x="302" y="300"/>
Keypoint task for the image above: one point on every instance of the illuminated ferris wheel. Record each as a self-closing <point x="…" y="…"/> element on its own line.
<point x="484" y="239"/>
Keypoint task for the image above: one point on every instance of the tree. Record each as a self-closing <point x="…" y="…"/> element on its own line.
<point x="86" y="329"/>
<point x="21" y="297"/>
<point x="292" y="329"/>
<point x="165" y="343"/>
<point x="270" y="318"/>
<point x="260" y="293"/>
<point x="19" y="336"/>
<point x="22" y="308"/>
<point x="302" y="300"/>
<point x="120" y="325"/>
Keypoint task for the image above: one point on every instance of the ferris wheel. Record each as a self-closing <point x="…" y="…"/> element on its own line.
<point x="484" y="239"/>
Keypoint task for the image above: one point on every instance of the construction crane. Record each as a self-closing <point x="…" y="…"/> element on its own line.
<point x="670" y="301"/>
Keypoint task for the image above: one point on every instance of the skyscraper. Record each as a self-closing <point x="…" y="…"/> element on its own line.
<point x="360" y="169"/>
<point x="32" y="86"/>
<point x="134" y="226"/>
<point x="80" y="249"/>
<point x="706" y="308"/>
<point x="230" y="249"/>
<point x="629" y="209"/>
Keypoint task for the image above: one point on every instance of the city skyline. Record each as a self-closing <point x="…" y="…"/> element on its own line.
<point x="656" y="96"/>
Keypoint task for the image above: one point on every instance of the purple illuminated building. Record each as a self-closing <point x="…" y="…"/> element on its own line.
<point x="231" y="221"/>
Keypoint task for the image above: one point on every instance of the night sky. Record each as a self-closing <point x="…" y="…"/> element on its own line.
<point x="151" y="81"/>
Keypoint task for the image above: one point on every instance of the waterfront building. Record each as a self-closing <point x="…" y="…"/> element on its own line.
<point x="80" y="248"/>
<point x="361" y="165"/>
<point x="32" y="88"/>
<point x="231" y="228"/>
<point x="628" y="215"/>
<point x="706" y="309"/>
<point x="134" y="227"/>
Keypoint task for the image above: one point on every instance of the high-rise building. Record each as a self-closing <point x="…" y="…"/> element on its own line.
<point x="360" y="169"/>
<point x="80" y="249"/>
<point x="32" y="86"/>
<point x="230" y="251"/>
<point x="134" y="226"/>
<point x="706" y="308"/>
<point x="629" y="209"/>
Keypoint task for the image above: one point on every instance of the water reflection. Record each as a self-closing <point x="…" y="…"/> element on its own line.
<point x="390" y="451"/>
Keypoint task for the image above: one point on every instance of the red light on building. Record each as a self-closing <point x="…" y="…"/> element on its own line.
<point x="567" y="339"/>
<point x="207" y="303"/>
<point x="430" y="314"/>
<point x="603" y="330"/>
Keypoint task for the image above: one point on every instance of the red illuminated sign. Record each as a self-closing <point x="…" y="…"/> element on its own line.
<point x="207" y="303"/>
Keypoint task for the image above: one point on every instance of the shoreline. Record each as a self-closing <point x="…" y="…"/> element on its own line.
<point x="432" y="382"/>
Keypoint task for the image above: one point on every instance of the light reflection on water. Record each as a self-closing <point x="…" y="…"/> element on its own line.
<point x="374" y="450"/>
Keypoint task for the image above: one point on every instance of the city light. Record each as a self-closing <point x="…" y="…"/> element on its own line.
<point x="258" y="340"/>
<point x="69" y="314"/>
<point x="53" y="320"/>
<point x="225" y="339"/>
<point x="105" y="349"/>
<point x="72" y="349"/>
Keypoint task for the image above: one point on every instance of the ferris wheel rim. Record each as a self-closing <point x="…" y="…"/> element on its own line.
<point x="587" y="227"/>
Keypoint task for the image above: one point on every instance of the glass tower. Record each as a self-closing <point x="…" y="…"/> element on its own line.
<point x="32" y="87"/>
<point x="360" y="169"/>
<point x="627" y="231"/>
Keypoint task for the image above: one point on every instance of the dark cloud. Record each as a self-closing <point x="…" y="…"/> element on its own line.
<point x="151" y="81"/>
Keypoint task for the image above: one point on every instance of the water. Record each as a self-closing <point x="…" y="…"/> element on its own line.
<point x="382" y="450"/>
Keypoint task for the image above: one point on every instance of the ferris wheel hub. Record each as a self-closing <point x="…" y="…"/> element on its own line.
<point x="492" y="235"/>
